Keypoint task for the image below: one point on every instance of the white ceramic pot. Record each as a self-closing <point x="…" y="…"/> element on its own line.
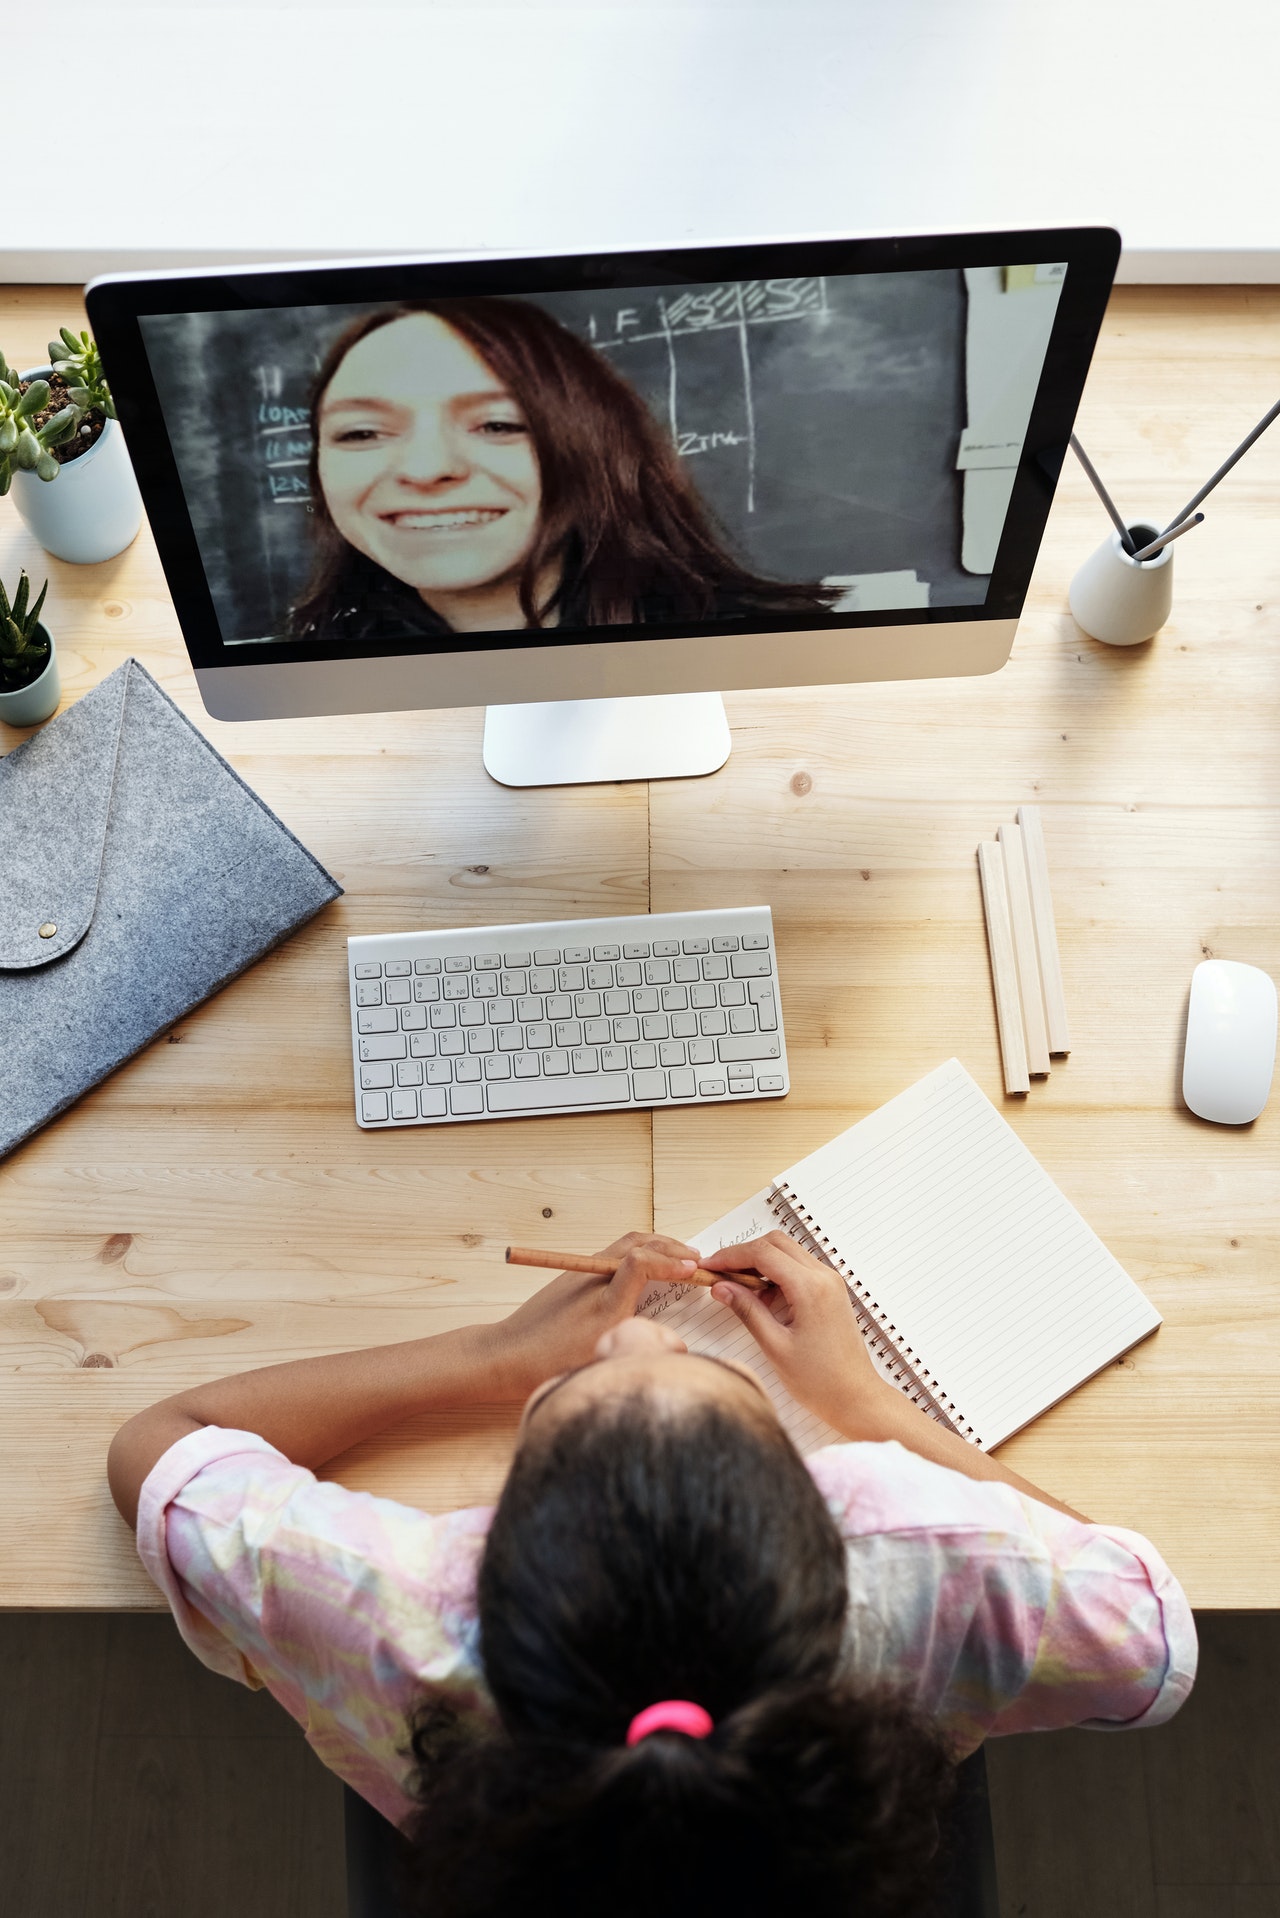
<point x="93" y="509"/>
<point x="30" y="705"/>
<point x="1120" y="600"/>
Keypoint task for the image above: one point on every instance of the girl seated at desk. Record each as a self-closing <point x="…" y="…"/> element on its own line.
<point x="678" y="1670"/>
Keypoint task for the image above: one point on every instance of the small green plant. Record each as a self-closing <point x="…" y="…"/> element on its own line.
<point x="75" y="356"/>
<point x="24" y="650"/>
<point x="24" y="447"/>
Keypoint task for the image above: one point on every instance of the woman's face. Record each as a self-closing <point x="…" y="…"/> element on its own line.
<point x="640" y="1355"/>
<point x="426" y="463"/>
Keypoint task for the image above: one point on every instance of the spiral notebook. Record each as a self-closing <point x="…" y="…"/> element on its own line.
<point x="979" y="1289"/>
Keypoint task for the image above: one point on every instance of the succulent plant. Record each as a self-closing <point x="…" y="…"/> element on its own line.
<point x="75" y="356"/>
<point x="22" y="446"/>
<point x="24" y="651"/>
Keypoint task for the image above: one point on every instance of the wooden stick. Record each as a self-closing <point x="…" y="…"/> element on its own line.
<point x="1004" y="972"/>
<point x="605" y="1268"/>
<point x="1055" y="1003"/>
<point x="1024" y="951"/>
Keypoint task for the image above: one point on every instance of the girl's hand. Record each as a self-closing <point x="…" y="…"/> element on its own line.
<point x="558" y="1328"/>
<point x="805" y="1324"/>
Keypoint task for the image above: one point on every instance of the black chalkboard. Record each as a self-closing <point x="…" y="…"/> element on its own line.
<point x="820" y="419"/>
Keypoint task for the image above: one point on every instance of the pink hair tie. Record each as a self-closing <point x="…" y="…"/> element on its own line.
<point x="672" y="1715"/>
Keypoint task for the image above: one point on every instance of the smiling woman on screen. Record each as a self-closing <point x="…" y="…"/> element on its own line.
<point x="478" y="468"/>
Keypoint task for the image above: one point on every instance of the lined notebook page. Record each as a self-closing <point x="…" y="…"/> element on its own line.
<point x="706" y="1326"/>
<point x="986" y="1276"/>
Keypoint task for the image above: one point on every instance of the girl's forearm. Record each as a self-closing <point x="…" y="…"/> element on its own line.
<point x="313" y="1409"/>
<point x="894" y="1417"/>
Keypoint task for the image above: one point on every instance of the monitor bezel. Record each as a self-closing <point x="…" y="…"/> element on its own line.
<point x="117" y="303"/>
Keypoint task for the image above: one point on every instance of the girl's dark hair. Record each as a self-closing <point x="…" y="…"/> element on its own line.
<point x="639" y="1554"/>
<point x="633" y="538"/>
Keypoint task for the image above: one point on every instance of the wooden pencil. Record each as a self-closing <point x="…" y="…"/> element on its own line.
<point x="1055" y="1004"/>
<point x="1004" y="974"/>
<point x="605" y="1268"/>
<point x="1024" y="951"/>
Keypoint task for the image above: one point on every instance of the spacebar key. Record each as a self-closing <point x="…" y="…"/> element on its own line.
<point x="537" y="1095"/>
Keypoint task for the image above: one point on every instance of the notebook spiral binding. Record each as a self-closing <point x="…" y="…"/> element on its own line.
<point x="918" y="1384"/>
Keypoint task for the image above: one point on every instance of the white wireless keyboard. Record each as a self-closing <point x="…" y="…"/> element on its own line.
<point x="677" y="1008"/>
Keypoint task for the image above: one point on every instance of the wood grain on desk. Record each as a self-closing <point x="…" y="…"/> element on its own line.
<point x="214" y="1206"/>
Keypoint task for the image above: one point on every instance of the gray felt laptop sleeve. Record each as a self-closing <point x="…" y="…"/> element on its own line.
<point x="138" y="874"/>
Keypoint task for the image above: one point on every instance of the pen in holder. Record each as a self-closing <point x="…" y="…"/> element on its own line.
<point x="1120" y="599"/>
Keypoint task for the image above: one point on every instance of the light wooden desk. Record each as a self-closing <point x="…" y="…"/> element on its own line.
<point x="213" y="1206"/>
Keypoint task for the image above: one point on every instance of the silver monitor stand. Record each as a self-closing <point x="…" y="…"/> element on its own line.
<point x="581" y="742"/>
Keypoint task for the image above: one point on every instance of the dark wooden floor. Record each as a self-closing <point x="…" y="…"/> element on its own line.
<point x="134" y="1784"/>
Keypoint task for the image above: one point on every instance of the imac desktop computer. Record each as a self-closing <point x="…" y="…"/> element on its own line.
<point x="593" y="492"/>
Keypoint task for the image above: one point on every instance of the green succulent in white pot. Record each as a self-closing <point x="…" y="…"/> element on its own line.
<point x="29" y="684"/>
<point x="62" y="451"/>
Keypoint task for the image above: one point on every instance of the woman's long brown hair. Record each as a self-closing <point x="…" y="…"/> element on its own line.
<point x="630" y="535"/>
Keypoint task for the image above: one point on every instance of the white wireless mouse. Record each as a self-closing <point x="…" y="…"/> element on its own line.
<point x="1231" y="1041"/>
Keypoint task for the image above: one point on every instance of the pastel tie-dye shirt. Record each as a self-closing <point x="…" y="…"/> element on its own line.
<point x="994" y="1612"/>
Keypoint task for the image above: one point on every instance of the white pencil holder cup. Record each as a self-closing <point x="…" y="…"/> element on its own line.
<point x="1120" y="600"/>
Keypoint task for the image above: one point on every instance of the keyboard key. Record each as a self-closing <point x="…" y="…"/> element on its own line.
<point x="607" y="952"/>
<point x="408" y="1072"/>
<point x="367" y="969"/>
<point x="686" y="972"/>
<point x="426" y="965"/>
<point x="440" y="1072"/>
<point x="385" y="1019"/>
<point x="539" y="1095"/>
<point x="671" y="1053"/>
<point x="655" y="1025"/>
<point x="488" y="962"/>
<point x="665" y="948"/>
<point x="682" y="1083"/>
<point x="397" y="969"/>
<point x="636" y="950"/>
<point x="466" y="1071"/>
<point x="675" y="998"/>
<point x="555" y="1064"/>
<point x="695" y="945"/>
<point x="725" y="943"/>
<point x="762" y="998"/>
<point x="644" y="999"/>
<point x="515" y="958"/>
<point x="586" y="1005"/>
<point x="657" y="972"/>
<point x="702" y="1052"/>
<point x="397" y="992"/>
<point x="715" y="968"/>
<point x="568" y="1032"/>
<point x="627" y="973"/>
<point x="559" y="1005"/>
<point x="370" y="995"/>
<point x="547" y="956"/>
<point x="576" y="955"/>
<point x="742" y="1085"/>
<point x="712" y="1023"/>
<point x="599" y="978"/>
<point x="471" y="1013"/>
<point x="528" y="1065"/>
<point x="684" y="1025"/>
<point x="742" y="1019"/>
<point x="649" y="1085"/>
<point x="464" y="1100"/>
<point x="377" y="1078"/>
<point x="373" y="1107"/>
<point x="769" y="1082"/>
<point x="459" y="962"/>
<point x="644" y="1056"/>
<point x="511" y="1039"/>
<point x="585" y="1059"/>
<point x="711" y="1088"/>
<point x="596" y="1032"/>
<point x="404" y="1105"/>
<point x="412" y="1018"/>
<point x="422" y="1045"/>
<point x="527" y="1010"/>
<point x="542" y="979"/>
<point x="702" y="998"/>
<point x="625" y="1030"/>
<point x="426" y="991"/>
<point x="755" y="942"/>
<point x="571" y="978"/>
<point x="732" y="993"/>
<point x="480" y="1041"/>
<point x="514" y="984"/>
<point x="485" y="985"/>
<point x="501" y="1012"/>
<point x="451" y="1045"/>
<point x="431" y="1103"/>
<point x="443" y="1015"/>
<point x="750" y="965"/>
<point x="394" y="1046"/>
<point x="537" y="1037"/>
<point x="457" y="987"/>
<point x="759" y="1046"/>
<point x="497" y="1067"/>
<point x="613" y="1058"/>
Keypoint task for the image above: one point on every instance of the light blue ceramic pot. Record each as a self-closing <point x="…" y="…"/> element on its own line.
<point x="31" y="705"/>
<point x="93" y="509"/>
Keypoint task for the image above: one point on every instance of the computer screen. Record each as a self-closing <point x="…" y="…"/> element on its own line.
<point x="452" y="460"/>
